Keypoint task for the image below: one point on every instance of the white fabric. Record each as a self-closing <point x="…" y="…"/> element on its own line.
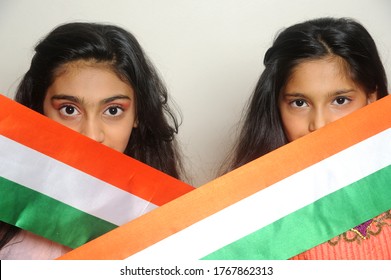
<point x="68" y="185"/>
<point x="273" y="203"/>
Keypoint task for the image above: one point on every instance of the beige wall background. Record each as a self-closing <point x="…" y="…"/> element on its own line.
<point x="209" y="52"/>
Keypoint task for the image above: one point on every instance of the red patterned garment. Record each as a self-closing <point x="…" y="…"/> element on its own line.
<point x="368" y="241"/>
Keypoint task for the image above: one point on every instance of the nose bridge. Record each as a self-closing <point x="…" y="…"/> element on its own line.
<point x="319" y="118"/>
<point x="93" y="128"/>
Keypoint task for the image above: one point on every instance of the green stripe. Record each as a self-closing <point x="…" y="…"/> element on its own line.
<point x="47" y="217"/>
<point x="315" y="223"/>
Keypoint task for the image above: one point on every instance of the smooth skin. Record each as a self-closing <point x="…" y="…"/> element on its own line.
<point x="92" y="100"/>
<point x="317" y="93"/>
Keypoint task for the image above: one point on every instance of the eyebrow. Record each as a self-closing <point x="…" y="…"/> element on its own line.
<point x="76" y="99"/>
<point x="66" y="97"/>
<point x="342" y="91"/>
<point x="293" y="95"/>
<point x="113" y="98"/>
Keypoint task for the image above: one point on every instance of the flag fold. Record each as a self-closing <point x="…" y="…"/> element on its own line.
<point x="274" y="207"/>
<point x="66" y="187"/>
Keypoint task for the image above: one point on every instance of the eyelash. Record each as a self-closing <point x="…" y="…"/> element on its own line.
<point x="114" y="107"/>
<point x="65" y="106"/>
<point x="293" y="103"/>
<point x="344" y="98"/>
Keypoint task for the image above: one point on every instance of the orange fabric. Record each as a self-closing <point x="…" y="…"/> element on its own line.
<point x="350" y="246"/>
<point x="234" y="186"/>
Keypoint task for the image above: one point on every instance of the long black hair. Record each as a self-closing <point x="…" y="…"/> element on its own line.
<point x="153" y="141"/>
<point x="262" y="129"/>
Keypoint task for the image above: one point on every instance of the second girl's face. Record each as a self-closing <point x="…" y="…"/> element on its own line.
<point x="317" y="93"/>
<point x="90" y="99"/>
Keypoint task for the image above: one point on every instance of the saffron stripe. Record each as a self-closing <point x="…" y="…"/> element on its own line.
<point x="311" y="225"/>
<point x="269" y="205"/>
<point x="18" y="207"/>
<point x="55" y="179"/>
<point x="251" y="178"/>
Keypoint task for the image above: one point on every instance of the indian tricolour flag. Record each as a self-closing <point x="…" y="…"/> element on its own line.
<point x="275" y="207"/>
<point x="66" y="187"/>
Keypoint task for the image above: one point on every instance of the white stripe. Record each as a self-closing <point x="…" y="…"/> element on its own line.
<point x="274" y="202"/>
<point x="69" y="185"/>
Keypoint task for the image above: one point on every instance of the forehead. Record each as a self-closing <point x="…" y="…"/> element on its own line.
<point x="329" y="64"/>
<point x="89" y="81"/>
<point x="319" y="74"/>
<point x="77" y="65"/>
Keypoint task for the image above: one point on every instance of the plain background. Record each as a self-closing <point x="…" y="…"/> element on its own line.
<point x="208" y="52"/>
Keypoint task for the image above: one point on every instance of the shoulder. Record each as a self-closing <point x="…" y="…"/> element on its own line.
<point x="28" y="246"/>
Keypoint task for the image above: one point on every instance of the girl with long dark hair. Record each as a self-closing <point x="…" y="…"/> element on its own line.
<point x="316" y="72"/>
<point x="97" y="80"/>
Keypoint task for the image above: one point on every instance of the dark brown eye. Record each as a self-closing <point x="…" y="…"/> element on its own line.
<point x="299" y="103"/>
<point x="114" y="111"/>
<point x="69" y="110"/>
<point x="340" y="100"/>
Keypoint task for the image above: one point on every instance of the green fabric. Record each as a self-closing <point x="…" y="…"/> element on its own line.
<point x="316" y="223"/>
<point x="47" y="217"/>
